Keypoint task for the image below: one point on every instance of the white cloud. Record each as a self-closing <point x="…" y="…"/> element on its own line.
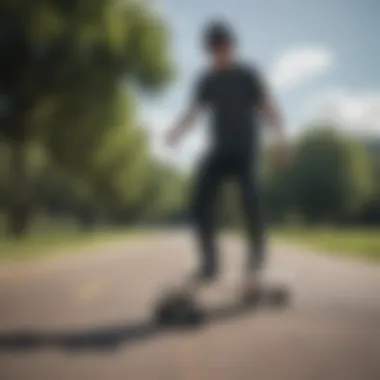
<point x="298" y="65"/>
<point x="355" y="112"/>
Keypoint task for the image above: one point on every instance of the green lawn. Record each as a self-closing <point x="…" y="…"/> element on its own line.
<point x="58" y="242"/>
<point x="48" y="239"/>
<point x="358" y="242"/>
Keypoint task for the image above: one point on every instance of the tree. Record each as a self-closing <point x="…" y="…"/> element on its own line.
<point x="4" y="158"/>
<point x="65" y="62"/>
<point x="370" y="213"/>
<point x="331" y="176"/>
<point x="165" y="195"/>
<point x="276" y="184"/>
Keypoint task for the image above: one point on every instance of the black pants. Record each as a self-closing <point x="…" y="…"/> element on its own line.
<point x="216" y="167"/>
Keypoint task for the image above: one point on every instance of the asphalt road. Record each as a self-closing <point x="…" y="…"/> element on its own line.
<point x="88" y="316"/>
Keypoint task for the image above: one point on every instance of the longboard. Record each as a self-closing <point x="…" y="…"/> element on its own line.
<point x="225" y="297"/>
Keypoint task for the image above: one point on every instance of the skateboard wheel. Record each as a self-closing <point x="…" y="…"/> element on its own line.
<point x="178" y="311"/>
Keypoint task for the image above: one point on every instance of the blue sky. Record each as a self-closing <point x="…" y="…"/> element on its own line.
<point x="321" y="58"/>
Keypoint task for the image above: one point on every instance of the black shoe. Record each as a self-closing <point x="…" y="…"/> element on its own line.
<point x="252" y="286"/>
<point x="205" y="275"/>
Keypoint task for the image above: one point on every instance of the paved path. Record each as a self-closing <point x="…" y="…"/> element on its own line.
<point x="87" y="317"/>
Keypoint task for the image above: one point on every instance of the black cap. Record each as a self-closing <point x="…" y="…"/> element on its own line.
<point x="218" y="33"/>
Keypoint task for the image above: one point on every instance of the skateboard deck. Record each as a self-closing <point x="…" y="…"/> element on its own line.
<point x="196" y="303"/>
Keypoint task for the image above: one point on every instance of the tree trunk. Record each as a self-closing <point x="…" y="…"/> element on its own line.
<point x="19" y="211"/>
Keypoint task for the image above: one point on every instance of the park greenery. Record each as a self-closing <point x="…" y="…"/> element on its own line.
<point x="71" y="142"/>
<point x="333" y="179"/>
<point x="72" y="149"/>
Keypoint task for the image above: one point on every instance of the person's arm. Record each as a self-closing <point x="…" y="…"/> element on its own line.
<point x="274" y="118"/>
<point x="273" y="115"/>
<point x="201" y="98"/>
<point x="183" y="124"/>
<point x="271" y="112"/>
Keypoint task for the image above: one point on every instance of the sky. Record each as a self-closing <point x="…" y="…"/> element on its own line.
<point x="320" y="58"/>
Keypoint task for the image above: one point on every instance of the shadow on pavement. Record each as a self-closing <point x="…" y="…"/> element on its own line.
<point x="105" y="338"/>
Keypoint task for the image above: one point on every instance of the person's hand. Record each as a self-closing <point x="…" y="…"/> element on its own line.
<point x="180" y="127"/>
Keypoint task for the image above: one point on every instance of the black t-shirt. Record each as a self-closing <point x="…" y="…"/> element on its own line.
<point x="232" y="95"/>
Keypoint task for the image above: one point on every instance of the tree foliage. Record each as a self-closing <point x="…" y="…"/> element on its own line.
<point x="331" y="176"/>
<point x="68" y="80"/>
<point x="276" y="188"/>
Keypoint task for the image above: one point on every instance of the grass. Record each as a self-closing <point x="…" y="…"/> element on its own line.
<point x="48" y="238"/>
<point x="364" y="243"/>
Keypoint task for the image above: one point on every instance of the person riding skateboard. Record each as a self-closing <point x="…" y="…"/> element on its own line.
<point x="237" y="97"/>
